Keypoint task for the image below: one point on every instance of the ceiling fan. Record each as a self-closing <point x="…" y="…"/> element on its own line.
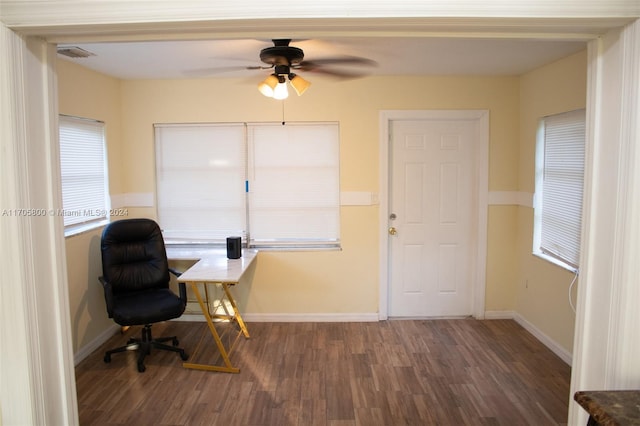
<point x="284" y="59"/>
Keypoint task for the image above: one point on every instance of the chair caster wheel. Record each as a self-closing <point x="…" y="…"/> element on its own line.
<point x="175" y="342"/>
<point x="141" y="368"/>
<point x="107" y="358"/>
<point x="184" y="356"/>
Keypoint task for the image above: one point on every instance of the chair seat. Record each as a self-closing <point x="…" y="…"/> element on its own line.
<point x="146" y="307"/>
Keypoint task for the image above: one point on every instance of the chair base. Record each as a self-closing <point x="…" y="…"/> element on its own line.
<point x="144" y="345"/>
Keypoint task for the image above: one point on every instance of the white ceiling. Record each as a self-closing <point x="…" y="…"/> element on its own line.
<point x="394" y="56"/>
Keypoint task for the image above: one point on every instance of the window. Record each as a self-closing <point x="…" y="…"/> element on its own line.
<point x="84" y="174"/>
<point x="200" y="181"/>
<point x="559" y="187"/>
<point x="274" y="185"/>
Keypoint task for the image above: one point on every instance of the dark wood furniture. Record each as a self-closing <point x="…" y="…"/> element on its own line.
<point x="610" y="408"/>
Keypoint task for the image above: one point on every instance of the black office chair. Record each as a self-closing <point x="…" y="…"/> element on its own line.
<point x="136" y="284"/>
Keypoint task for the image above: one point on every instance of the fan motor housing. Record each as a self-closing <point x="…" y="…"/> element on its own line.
<point x="281" y="55"/>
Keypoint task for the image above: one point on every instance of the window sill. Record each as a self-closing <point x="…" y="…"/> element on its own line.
<point x="74" y="230"/>
<point x="282" y="248"/>
<point x="556" y="262"/>
<point x="298" y="248"/>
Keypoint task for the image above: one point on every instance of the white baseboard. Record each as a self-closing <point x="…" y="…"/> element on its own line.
<point x="562" y="353"/>
<point x="190" y="318"/>
<point x="249" y="317"/>
<point x="318" y="317"/>
<point x="489" y="315"/>
<point x="86" y="350"/>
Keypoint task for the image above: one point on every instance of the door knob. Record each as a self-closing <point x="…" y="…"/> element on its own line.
<point x="392" y="231"/>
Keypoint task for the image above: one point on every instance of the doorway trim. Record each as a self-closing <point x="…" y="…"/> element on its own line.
<point x="479" y="255"/>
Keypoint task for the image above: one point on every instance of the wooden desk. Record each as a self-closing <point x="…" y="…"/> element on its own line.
<point x="213" y="267"/>
<point x="610" y="408"/>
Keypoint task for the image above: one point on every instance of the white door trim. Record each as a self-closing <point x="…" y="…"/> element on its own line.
<point x="482" y="159"/>
<point x="606" y="344"/>
<point x="37" y="377"/>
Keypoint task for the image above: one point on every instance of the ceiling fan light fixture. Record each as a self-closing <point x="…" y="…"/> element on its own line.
<point x="268" y="86"/>
<point x="281" y="92"/>
<point x="299" y="84"/>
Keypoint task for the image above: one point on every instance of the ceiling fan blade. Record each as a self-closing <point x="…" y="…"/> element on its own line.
<point x="321" y="66"/>
<point x="343" y="60"/>
<point x="336" y="73"/>
<point x="203" y="72"/>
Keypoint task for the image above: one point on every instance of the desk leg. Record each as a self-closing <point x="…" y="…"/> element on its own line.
<point x="228" y="368"/>
<point x="236" y="312"/>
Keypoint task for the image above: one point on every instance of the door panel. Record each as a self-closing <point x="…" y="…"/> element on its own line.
<point x="432" y="198"/>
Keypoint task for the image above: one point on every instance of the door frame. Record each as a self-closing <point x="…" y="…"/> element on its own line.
<point x="479" y="254"/>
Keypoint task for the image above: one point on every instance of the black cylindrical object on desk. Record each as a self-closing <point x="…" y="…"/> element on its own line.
<point x="234" y="247"/>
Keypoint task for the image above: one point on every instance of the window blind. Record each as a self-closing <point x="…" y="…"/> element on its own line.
<point x="83" y="169"/>
<point x="200" y="177"/>
<point x="562" y="186"/>
<point x="294" y="181"/>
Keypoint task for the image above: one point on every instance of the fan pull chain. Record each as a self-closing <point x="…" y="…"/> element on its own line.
<point x="283" y="112"/>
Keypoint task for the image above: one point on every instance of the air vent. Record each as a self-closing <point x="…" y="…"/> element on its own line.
<point x="74" y="52"/>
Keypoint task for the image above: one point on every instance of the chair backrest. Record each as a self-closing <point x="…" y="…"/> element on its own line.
<point x="134" y="256"/>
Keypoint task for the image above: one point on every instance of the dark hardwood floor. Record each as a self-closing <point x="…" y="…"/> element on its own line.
<point x="409" y="372"/>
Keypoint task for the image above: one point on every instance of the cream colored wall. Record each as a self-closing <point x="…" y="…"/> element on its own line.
<point x="88" y="94"/>
<point x="343" y="281"/>
<point x="502" y="260"/>
<point x="542" y="293"/>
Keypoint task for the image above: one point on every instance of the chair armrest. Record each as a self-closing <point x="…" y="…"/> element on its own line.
<point x="181" y="286"/>
<point x="183" y="292"/>
<point x="108" y="295"/>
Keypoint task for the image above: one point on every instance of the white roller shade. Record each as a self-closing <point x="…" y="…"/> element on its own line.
<point x="294" y="180"/>
<point x="200" y="176"/>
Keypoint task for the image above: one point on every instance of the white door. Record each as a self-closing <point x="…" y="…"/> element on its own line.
<point x="431" y="217"/>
